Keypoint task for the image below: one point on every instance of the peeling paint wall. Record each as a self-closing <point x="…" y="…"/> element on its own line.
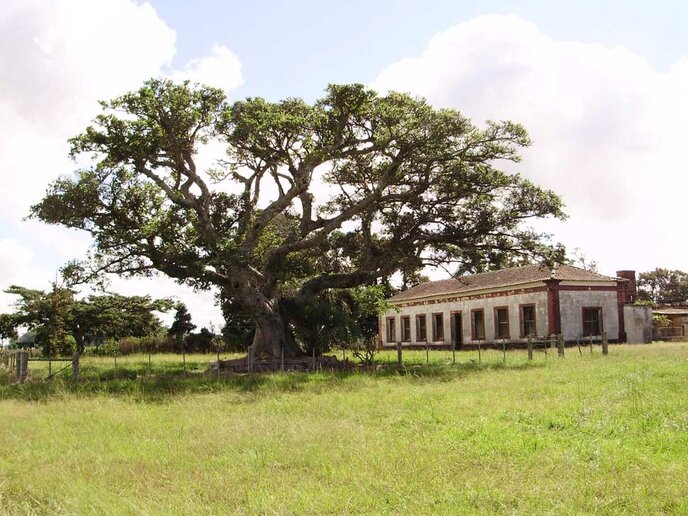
<point x="638" y="321"/>
<point x="488" y="304"/>
<point x="571" y="304"/>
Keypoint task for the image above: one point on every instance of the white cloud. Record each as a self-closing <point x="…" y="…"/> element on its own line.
<point x="607" y="128"/>
<point x="221" y="69"/>
<point x="201" y="305"/>
<point x="59" y="58"/>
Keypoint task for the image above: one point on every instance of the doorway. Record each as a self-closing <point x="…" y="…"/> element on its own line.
<point x="456" y="330"/>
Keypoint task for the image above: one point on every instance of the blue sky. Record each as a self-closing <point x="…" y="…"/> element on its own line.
<point x="602" y="88"/>
<point x="297" y="47"/>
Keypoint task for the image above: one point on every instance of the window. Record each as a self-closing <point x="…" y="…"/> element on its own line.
<point x="528" y="323"/>
<point x="478" y="324"/>
<point x="421" y="329"/>
<point x="391" y="329"/>
<point x="502" y="322"/>
<point x="406" y="329"/>
<point x="592" y="321"/>
<point x="437" y="327"/>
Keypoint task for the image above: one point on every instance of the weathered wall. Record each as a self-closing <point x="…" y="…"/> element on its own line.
<point x="638" y="322"/>
<point x="488" y="304"/>
<point x="571" y="304"/>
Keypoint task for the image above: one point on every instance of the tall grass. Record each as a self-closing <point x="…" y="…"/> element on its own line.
<point x="576" y="435"/>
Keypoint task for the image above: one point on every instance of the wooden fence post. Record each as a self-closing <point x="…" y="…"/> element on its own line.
<point x="605" y="343"/>
<point x="184" y="356"/>
<point x="313" y="364"/>
<point x="454" y="353"/>
<point x="399" y="357"/>
<point x="591" y="344"/>
<point x="580" y="350"/>
<point x="75" y="366"/>
<point x="480" y="356"/>
<point x="24" y="367"/>
<point x="249" y="359"/>
<point x="504" y="349"/>
<point x="282" y="358"/>
<point x="560" y="345"/>
<point x="17" y="364"/>
<point x="530" y="347"/>
<point x="427" y="352"/>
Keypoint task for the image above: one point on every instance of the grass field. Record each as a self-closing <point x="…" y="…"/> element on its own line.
<point x="584" y="434"/>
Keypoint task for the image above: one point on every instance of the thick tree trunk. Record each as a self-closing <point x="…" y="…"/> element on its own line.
<point x="272" y="336"/>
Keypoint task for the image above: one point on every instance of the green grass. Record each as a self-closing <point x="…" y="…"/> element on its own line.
<point x="586" y="434"/>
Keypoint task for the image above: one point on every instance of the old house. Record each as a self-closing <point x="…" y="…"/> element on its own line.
<point x="510" y="305"/>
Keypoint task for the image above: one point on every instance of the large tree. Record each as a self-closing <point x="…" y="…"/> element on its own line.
<point x="309" y="197"/>
<point x="663" y="286"/>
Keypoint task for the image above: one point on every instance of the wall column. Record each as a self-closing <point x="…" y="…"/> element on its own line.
<point x="553" y="309"/>
<point x="621" y="300"/>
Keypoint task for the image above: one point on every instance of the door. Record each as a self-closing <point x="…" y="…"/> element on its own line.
<point x="457" y="330"/>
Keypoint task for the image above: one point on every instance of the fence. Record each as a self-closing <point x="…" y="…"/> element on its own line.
<point x="668" y="333"/>
<point x="16" y="361"/>
<point x="533" y="343"/>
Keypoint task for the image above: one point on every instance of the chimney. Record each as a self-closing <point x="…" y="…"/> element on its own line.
<point x="630" y="290"/>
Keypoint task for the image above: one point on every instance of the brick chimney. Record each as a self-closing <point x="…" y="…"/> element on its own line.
<point x="630" y="290"/>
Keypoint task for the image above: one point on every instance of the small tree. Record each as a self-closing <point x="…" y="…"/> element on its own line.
<point x="181" y="326"/>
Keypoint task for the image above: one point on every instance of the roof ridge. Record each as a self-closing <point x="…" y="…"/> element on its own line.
<point x="501" y="278"/>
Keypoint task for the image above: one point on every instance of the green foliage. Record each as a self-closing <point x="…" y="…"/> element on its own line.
<point x="342" y="318"/>
<point x="8" y="326"/>
<point x="63" y="324"/>
<point x="661" y="320"/>
<point x="239" y="327"/>
<point x="409" y="185"/>
<point x="663" y="286"/>
<point x="201" y="342"/>
<point x="181" y="326"/>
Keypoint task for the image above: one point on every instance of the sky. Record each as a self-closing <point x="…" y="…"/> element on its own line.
<point x="602" y="88"/>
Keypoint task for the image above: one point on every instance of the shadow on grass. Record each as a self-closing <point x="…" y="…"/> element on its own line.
<point x="165" y="382"/>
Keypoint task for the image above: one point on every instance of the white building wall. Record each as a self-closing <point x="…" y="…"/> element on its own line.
<point x="638" y="324"/>
<point x="571" y="304"/>
<point x="488" y="304"/>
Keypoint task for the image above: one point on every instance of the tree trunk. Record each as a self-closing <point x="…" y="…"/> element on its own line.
<point x="272" y="336"/>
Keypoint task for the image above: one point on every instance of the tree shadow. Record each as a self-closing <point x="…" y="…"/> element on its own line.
<point x="162" y="384"/>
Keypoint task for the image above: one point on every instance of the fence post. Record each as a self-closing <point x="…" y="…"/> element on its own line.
<point x="530" y="347"/>
<point x="24" y="367"/>
<point x="504" y="349"/>
<point x="560" y="344"/>
<point x="17" y="364"/>
<point x="605" y="344"/>
<point x="480" y="356"/>
<point x="313" y="358"/>
<point x="184" y="356"/>
<point x="399" y="358"/>
<point x="75" y="366"/>
<point x="249" y="359"/>
<point x="282" y="359"/>
<point x="580" y="351"/>
<point x="591" y="344"/>
<point x="427" y="352"/>
<point x="454" y="353"/>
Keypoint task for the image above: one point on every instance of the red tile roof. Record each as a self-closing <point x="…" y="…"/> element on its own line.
<point x="501" y="278"/>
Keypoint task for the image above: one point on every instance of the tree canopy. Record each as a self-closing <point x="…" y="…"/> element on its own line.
<point x="663" y="286"/>
<point x="57" y="316"/>
<point x="309" y="197"/>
